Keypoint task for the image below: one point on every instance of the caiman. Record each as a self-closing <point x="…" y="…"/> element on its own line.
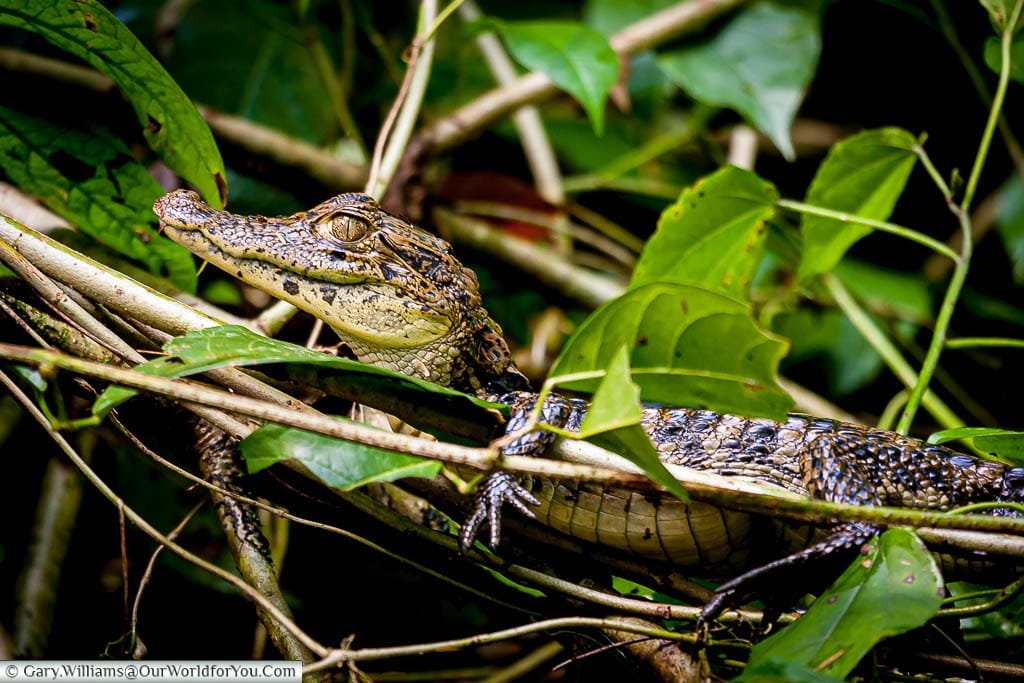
<point x="398" y="298"/>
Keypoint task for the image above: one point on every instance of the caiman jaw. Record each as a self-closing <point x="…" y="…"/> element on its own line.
<point x="393" y="292"/>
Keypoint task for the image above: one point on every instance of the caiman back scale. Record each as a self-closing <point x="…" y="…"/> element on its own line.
<point x="399" y="299"/>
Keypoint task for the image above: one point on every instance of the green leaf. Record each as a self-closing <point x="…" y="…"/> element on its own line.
<point x="232" y="345"/>
<point x="863" y="175"/>
<point x="1004" y="444"/>
<point x="775" y="669"/>
<point x="578" y="59"/>
<point x="342" y="465"/>
<point x="994" y="58"/>
<point x="271" y="77"/>
<point x="759" y="64"/>
<point x="890" y="293"/>
<point x="609" y="16"/>
<point x="850" y="360"/>
<point x="713" y="236"/>
<point x="999" y="12"/>
<point x="90" y="179"/>
<point x="1010" y="223"/>
<point x="115" y="395"/>
<point x="1003" y="623"/>
<point x="690" y="347"/>
<point x="614" y="421"/>
<point x="170" y="122"/>
<point x="896" y="587"/>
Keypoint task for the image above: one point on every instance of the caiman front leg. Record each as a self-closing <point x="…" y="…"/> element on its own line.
<point x="500" y="488"/>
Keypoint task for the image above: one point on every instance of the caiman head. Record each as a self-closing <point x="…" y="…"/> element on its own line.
<point x="394" y="293"/>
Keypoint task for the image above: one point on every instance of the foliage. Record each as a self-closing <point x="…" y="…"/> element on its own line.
<point x="723" y="277"/>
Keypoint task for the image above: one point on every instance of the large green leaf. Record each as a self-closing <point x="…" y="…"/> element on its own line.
<point x="759" y="64"/>
<point x="614" y="421"/>
<point x="578" y="59"/>
<point x="713" y="236"/>
<point x="271" y="77"/>
<point x="343" y="465"/>
<point x="689" y="347"/>
<point x="90" y="178"/>
<point x="863" y="175"/>
<point x="896" y="587"/>
<point x="169" y="120"/>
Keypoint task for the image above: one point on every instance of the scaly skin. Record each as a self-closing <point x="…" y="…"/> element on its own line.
<point x="399" y="298"/>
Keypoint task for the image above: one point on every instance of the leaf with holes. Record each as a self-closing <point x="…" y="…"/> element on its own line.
<point x="894" y="588"/>
<point x="713" y="236"/>
<point x="689" y="347"/>
<point x="169" y="120"/>
<point x="90" y="178"/>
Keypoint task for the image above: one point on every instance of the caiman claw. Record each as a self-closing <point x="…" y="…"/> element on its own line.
<point x="498" y="488"/>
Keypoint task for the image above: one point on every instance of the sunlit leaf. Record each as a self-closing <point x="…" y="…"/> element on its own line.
<point x="892" y="589"/>
<point x="713" y="236"/>
<point x="689" y="347"/>
<point x="759" y="64"/>
<point x="169" y="120"/>
<point x="578" y="59"/>
<point x="863" y="175"/>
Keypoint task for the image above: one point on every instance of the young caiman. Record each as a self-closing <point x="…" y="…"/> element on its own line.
<point x="398" y="298"/>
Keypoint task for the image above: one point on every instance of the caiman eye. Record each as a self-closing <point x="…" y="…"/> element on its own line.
<point x="348" y="228"/>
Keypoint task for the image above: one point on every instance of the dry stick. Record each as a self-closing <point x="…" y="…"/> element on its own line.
<point x="536" y="87"/>
<point x="146" y="528"/>
<point x="38" y="581"/>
